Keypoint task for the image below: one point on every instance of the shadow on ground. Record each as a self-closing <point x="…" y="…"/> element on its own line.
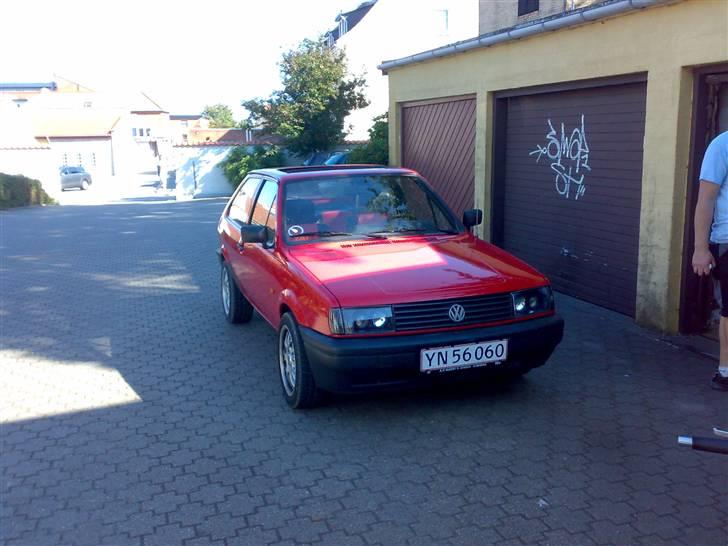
<point x="120" y="303"/>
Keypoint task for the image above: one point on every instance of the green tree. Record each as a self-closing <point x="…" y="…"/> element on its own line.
<point x="240" y="161"/>
<point x="377" y="149"/>
<point x="317" y="96"/>
<point x="220" y="115"/>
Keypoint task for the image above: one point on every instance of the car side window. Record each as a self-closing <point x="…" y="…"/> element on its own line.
<point x="264" y="213"/>
<point x="243" y="202"/>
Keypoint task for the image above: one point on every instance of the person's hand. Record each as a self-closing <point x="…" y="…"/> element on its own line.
<point x="703" y="261"/>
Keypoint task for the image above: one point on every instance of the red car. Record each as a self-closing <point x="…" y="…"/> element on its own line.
<point x="372" y="282"/>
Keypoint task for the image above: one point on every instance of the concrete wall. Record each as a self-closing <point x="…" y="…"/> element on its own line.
<point x="665" y="42"/>
<point x="498" y="14"/>
<point x="197" y="174"/>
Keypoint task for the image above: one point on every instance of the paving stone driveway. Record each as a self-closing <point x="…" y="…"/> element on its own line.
<point x="134" y="414"/>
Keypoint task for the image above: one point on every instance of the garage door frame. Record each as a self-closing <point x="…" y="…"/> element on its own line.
<point x="500" y="124"/>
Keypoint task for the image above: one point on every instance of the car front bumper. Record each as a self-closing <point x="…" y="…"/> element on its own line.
<point x="358" y="364"/>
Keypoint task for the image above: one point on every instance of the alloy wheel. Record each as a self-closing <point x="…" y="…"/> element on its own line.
<point x="225" y="285"/>
<point x="287" y="360"/>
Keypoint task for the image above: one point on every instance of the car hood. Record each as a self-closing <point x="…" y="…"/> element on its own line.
<point x="410" y="269"/>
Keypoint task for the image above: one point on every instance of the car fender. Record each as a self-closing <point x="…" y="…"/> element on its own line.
<point x="309" y="303"/>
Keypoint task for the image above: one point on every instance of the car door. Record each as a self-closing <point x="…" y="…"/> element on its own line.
<point x="64" y="177"/>
<point x="236" y="216"/>
<point x="265" y="266"/>
<point x="75" y="176"/>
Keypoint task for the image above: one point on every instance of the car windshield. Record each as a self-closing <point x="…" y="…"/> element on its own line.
<point x="363" y="206"/>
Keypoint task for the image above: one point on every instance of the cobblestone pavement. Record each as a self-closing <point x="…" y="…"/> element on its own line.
<point x="134" y="414"/>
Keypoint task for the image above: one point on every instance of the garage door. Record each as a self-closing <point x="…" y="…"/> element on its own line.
<point x="438" y="141"/>
<point x="570" y="188"/>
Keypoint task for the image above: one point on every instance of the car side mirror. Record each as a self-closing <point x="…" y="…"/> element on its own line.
<point x="472" y="217"/>
<point x="253" y="234"/>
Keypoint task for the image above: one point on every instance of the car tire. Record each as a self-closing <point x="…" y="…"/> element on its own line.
<point x="84" y="184"/>
<point x="236" y="308"/>
<point x="297" y="381"/>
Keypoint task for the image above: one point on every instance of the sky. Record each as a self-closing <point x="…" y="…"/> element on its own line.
<point x="183" y="54"/>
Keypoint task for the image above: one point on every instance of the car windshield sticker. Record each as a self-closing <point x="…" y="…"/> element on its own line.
<point x="295" y="230"/>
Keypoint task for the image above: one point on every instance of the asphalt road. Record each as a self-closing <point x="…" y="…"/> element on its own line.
<point x="132" y="413"/>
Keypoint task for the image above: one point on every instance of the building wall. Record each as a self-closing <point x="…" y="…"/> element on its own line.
<point x="495" y="15"/>
<point x="93" y="154"/>
<point x="665" y="42"/>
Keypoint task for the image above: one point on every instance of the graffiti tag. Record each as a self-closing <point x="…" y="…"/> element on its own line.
<point x="569" y="155"/>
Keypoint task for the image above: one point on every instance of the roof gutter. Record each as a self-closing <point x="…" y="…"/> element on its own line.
<point x="565" y="20"/>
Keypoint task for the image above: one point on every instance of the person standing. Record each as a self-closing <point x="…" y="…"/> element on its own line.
<point x="711" y="237"/>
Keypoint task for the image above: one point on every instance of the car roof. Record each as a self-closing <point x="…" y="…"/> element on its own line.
<point x="284" y="174"/>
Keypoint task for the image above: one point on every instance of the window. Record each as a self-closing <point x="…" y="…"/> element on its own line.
<point x="141" y="132"/>
<point x="362" y="205"/>
<point x="243" y="202"/>
<point x="343" y="25"/>
<point x="527" y="6"/>
<point x="264" y="213"/>
<point x="149" y="131"/>
<point x="133" y="131"/>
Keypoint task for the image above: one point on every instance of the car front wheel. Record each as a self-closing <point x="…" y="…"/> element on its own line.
<point x="299" y="387"/>
<point x="84" y="184"/>
<point x="237" y="309"/>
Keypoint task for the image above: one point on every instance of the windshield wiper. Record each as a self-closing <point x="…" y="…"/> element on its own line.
<point x="320" y="234"/>
<point x="384" y="233"/>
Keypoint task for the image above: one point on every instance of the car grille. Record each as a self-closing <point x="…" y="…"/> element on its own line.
<point x="435" y="314"/>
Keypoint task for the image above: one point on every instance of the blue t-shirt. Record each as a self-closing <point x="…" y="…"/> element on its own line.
<point x="715" y="170"/>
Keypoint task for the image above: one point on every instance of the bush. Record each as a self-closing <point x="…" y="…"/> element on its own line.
<point x="240" y="161"/>
<point x="21" y="191"/>
<point x="377" y="149"/>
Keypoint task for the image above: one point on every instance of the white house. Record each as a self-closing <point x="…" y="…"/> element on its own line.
<point x="389" y="29"/>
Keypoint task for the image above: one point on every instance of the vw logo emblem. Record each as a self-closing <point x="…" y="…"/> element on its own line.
<point x="456" y="312"/>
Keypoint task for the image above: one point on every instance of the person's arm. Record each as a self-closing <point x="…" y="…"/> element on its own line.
<point x="703" y="260"/>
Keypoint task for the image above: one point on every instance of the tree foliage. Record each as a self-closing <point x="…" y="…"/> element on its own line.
<point x="220" y="115"/>
<point x="240" y="161"/>
<point x="317" y="96"/>
<point x="377" y="149"/>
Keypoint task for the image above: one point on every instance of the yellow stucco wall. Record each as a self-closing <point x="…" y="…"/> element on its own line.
<point x="664" y="41"/>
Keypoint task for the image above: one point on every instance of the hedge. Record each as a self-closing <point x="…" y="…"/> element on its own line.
<point x="21" y="191"/>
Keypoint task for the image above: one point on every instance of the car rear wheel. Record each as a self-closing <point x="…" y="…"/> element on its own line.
<point x="297" y="381"/>
<point x="237" y="309"/>
<point x="84" y="184"/>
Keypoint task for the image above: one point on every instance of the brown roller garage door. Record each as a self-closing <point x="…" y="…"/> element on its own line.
<point x="568" y="187"/>
<point x="438" y="141"/>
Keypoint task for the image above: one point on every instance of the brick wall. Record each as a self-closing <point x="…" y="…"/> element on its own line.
<point x="498" y="14"/>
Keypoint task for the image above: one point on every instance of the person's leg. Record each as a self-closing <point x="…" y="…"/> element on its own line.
<point x="720" y="380"/>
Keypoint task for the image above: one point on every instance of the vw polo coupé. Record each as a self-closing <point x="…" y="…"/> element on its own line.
<point x="372" y="282"/>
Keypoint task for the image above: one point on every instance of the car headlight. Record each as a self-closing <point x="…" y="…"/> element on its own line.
<point x="361" y="320"/>
<point x="536" y="300"/>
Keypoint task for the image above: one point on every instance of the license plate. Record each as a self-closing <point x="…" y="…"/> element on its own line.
<point x="468" y="355"/>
